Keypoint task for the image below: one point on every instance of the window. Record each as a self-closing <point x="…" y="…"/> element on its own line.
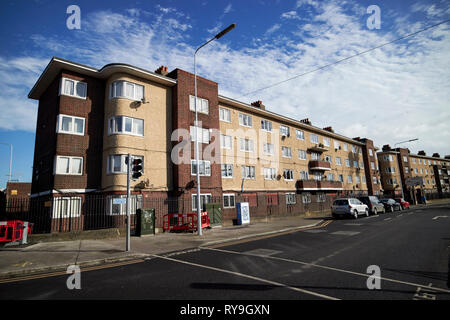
<point x="270" y="174"/>
<point x="414" y="160"/>
<point x="328" y="158"/>
<point x="374" y="179"/>
<point x="426" y="171"/>
<point x="266" y="125"/>
<point x="364" y="179"/>
<point x="302" y="154"/>
<point x="429" y="162"/>
<point x="70" y="124"/>
<point x="126" y="125"/>
<point x="372" y="165"/>
<point x="227" y="170"/>
<point x="203" y="134"/>
<point x="246" y="145"/>
<point x="353" y="149"/>
<point x="338" y="161"/>
<point x="66" y="207"/>
<point x="420" y="161"/>
<point x="228" y="200"/>
<point x="73" y="88"/>
<point x="284" y="131"/>
<point x="406" y="170"/>
<point x="268" y="149"/>
<point x="306" y="197"/>
<point x="300" y="134"/>
<point x="202" y="105"/>
<point x="355" y="164"/>
<point x="204" y="168"/>
<point x="248" y="172"/>
<point x="69" y="165"/>
<point x="318" y="176"/>
<point x="326" y="142"/>
<point x="315" y="156"/>
<point x="120" y="208"/>
<point x="345" y="147"/>
<point x="370" y="152"/>
<point x="392" y="181"/>
<point x="127" y="90"/>
<point x="288" y="174"/>
<point x="116" y="163"/>
<point x="349" y="179"/>
<point x="226" y="142"/>
<point x="224" y="115"/>
<point x="286" y="152"/>
<point x="290" y="198"/>
<point x="330" y="177"/>
<point x="204" y="199"/>
<point x="337" y="145"/>
<point x="314" y="138"/>
<point x="347" y="163"/>
<point x="303" y="175"/>
<point x="245" y="120"/>
<point x="362" y="165"/>
<point x="390" y="170"/>
<point x="405" y="159"/>
<point x="421" y="170"/>
<point x="415" y="170"/>
<point x="358" y="179"/>
<point x="321" y="197"/>
<point x="341" y="178"/>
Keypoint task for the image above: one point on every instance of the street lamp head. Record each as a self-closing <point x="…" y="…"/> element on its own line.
<point x="223" y="32"/>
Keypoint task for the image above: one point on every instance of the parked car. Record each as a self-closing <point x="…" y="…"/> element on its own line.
<point x="403" y="203"/>
<point x="374" y="204"/>
<point x="348" y="207"/>
<point x="391" y="205"/>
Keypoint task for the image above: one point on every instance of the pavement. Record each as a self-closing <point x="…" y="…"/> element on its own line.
<point x="46" y="257"/>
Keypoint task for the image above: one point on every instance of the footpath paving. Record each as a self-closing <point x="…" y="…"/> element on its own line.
<point x="45" y="257"/>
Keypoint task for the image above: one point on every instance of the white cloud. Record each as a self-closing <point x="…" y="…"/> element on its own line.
<point x="290" y="15"/>
<point x="392" y="94"/>
<point x="227" y="9"/>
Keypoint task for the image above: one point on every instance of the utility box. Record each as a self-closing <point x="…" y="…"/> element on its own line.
<point x="243" y="213"/>
<point x="145" y="223"/>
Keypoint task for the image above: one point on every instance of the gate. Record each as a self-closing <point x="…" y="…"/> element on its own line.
<point x="215" y="213"/>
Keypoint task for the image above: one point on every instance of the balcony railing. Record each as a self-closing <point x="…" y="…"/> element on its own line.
<point x="318" y="185"/>
<point x="334" y="185"/>
<point x="319" y="165"/>
<point x="318" y="148"/>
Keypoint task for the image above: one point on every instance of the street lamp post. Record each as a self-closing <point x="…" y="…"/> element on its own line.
<point x="217" y="36"/>
<point x="10" y="159"/>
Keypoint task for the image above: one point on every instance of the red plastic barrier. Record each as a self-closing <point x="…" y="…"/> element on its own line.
<point x="184" y="221"/>
<point x="11" y="230"/>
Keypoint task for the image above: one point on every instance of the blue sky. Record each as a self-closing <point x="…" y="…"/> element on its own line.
<point x="399" y="92"/>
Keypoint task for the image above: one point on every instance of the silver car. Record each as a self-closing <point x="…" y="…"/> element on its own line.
<point x="349" y="207"/>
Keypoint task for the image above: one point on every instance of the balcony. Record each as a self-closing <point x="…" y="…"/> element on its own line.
<point x="330" y="185"/>
<point x="319" y="165"/>
<point x="307" y="185"/>
<point x="318" y="148"/>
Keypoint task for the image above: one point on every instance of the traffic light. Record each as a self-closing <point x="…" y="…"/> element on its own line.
<point x="136" y="168"/>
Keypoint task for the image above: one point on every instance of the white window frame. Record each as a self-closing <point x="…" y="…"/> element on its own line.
<point x="206" y="196"/>
<point x="286" y="152"/>
<point x="338" y="161"/>
<point x="302" y="154"/>
<point x="114" y="95"/>
<point x="349" y="178"/>
<point x="206" y="168"/>
<point x="291" y="198"/>
<point x="57" y="170"/>
<point x="266" y="125"/>
<point x="202" y="104"/>
<point x="312" y="138"/>
<point x="59" y="124"/>
<point x="306" y="197"/>
<point x="326" y="141"/>
<point x="284" y="131"/>
<point x="304" y="175"/>
<point x="75" y="84"/>
<point x="222" y="113"/>
<point x="227" y="168"/>
<point x="123" y="165"/>
<point x="268" y="149"/>
<point x="59" y="212"/>
<point x="245" y="120"/>
<point x="251" y="170"/>
<point x="270" y="174"/>
<point x="247" y="144"/>
<point x="112" y="126"/>
<point x="135" y="203"/>
<point x="300" y="134"/>
<point x="205" y="134"/>
<point x="223" y="142"/>
<point x="288" y="174"/>
<point x="229" y="196"/>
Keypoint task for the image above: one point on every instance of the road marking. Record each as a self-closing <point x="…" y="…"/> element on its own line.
<point x="345" y="233"/>
<point x="278" y="284"/>
<point x="353" y="224"/>
<point x="60" y="273"/>
<point x="329" y="268"/>
<point x="315" y="231"/>
<point x="263" y="252"/>
<point x="387" y="219"/>
<point x="425" y="293"/>
<point x="437" y="217"/>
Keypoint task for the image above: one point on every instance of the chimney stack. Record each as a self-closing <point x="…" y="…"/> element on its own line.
<point x="259" y="104"/>
<point x="421" y="153"/>
<point x="329" y="129"/>
<point x="306" y="121"/>
<point x="436" y="155"/>
<point x="162" y="70"/>
<point x="386" y="147"/>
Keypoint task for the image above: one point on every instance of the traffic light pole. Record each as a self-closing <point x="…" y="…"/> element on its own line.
<point x="128" y="246"/>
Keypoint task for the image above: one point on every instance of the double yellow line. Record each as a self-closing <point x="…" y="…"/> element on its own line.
<point x="61" y="273"/>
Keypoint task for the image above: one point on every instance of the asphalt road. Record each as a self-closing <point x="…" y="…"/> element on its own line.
<point x="411" y="249"/>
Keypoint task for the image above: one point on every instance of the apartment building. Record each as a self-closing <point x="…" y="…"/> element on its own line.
<point x="90" y="119"/>
<point x="412" y="175"/>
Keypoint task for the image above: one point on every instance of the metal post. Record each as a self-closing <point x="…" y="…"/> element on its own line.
<point x="128" y="246"/>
